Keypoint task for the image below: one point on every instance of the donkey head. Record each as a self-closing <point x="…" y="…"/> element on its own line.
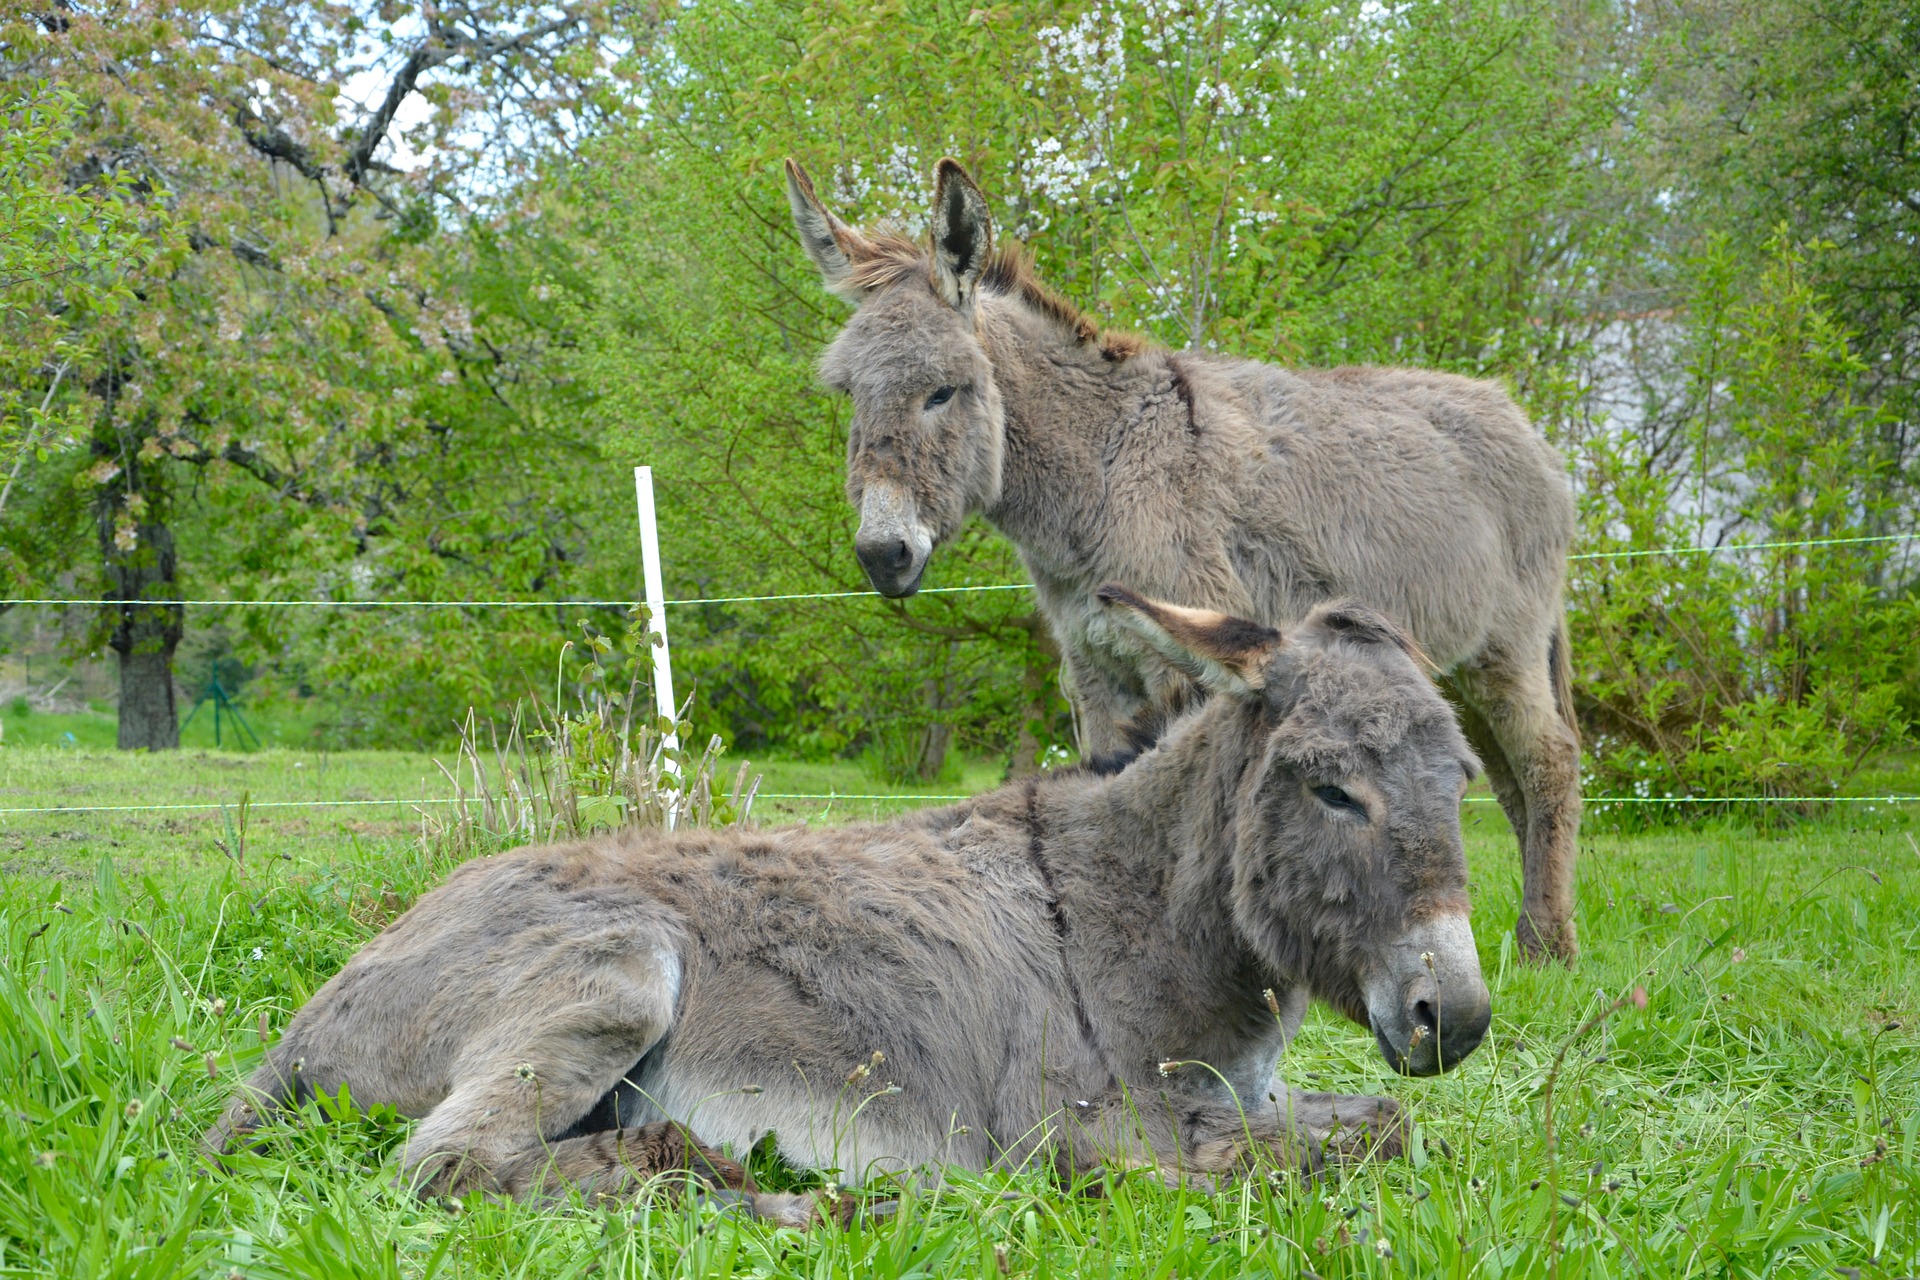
<point x="1348" y="872"/>
<point x="925" y="445"/>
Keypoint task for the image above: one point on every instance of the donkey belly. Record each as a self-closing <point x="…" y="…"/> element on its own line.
<point x="860" y="1071"/>
<point x="850" y="1132"/>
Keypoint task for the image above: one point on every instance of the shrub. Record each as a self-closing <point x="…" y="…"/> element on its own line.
<point x="1773" y="670"/>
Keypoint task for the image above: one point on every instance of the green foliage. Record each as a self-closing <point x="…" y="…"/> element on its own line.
<point x="294" y="398"/>
<point x="706" y="376"/>
<point x="71" y="250"/>
<point x="609" y="763"/>
<point x="1777" y="112"/>
<point x="1299" y="181"/>
<point x="1756" y="1118"/>
<point x="1770" y="672"/>
<point x="240" y="362"/>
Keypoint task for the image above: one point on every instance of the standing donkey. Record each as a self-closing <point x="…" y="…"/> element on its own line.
<point x="1085" y="968"/>
<point x="1217" y="482"/>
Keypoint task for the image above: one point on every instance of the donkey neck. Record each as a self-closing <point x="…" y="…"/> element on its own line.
<point x="1142" y="864"/>
<point x="1069" y="412"/>
<point x="1169" y="820"/>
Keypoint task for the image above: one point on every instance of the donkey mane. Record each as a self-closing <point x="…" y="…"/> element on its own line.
<point x="1009" y="273"/>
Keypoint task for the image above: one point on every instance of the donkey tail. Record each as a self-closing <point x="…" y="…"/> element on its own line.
<point x="1560" y="670"/>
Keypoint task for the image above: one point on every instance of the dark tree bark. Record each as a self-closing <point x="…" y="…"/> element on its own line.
<point x="935" y="739"/>
<point x="1039" y="687"/>
<point x="141" y="597"/>
<point x="148" y="718"/>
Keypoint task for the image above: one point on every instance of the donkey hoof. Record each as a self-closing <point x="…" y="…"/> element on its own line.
<point x="723" y="1200"/>
<point x="1365" y="1128"/>
<point x="797" y="1211"/>
<point x="1556" y="943"/>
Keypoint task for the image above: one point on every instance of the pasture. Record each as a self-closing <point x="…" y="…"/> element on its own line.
<point x="330" y="338"/>
<point x="1759" y="1116"/>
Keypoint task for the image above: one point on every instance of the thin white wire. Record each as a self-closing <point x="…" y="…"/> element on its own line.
<point x="504" y="604"/>
<point x="208" y="806"/>
<point x="854" y="595"/>
<point x="838" y="595"/>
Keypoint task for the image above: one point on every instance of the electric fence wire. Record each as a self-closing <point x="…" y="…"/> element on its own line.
<point x="1716" y="549"/>
<point x="835" y="798"/>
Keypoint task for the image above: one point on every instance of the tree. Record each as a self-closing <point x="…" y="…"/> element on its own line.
<point x="1746" y="376"/>
<point x="1772" y="672"/>
<point x="285" y="352"/>
<point x="68" y="252"/>
<point x="1767" y="114"/>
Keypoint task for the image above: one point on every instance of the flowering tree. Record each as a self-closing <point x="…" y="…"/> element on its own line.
<point x="68" y="251"/>
<point x="302" y="165"/>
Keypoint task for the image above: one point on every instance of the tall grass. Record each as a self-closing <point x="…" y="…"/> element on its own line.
<point x="556" y="775"/>
<point x="1760" y="1116"/>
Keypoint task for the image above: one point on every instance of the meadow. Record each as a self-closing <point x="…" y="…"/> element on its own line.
<point x="1759" y="1116"/>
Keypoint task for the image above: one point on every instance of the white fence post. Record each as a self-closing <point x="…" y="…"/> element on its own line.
<point x="657" y="619"/>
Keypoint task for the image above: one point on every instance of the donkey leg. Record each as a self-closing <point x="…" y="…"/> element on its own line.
<point x="1103" y="705"/>
<point x="1124" y="1131"/>
<point x="304" y="1064"/>
<point x="1347" y="1127"/>
<point x="263" y="1095"/>
<point x="1300" y="1131"/>
<point x="543" y="1064"/>
<point x="617" y="1163"/>
<point x="507" y="1104"/>
<point x="1500" y="775"/>
<point x="1535" y="770"/>
<point x="1197" y="1140"/>
<point x="664" y="1155"/>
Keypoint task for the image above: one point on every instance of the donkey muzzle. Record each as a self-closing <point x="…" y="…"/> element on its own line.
<point x="1430" y="1007"/>
<point x="892" y="545"/>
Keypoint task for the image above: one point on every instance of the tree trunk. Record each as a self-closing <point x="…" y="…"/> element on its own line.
<point x="141" y="598"/>
<point x="1038" y="679"/>
<point x="930" y="754"/>
<point x="147" y="715"/>
<point x="934" y="741"/>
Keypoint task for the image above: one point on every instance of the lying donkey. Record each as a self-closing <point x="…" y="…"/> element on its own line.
<point x="1041" y="969"/>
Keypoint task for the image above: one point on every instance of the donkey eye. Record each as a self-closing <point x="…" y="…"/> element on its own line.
<point x="939" y="397"/>
<point x="1335" y="798"/>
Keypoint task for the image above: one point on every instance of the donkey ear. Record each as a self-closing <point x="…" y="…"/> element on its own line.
<point x="834" y="246"/>
<point x="1224" y="653"/>
<point x="962" y="234"/>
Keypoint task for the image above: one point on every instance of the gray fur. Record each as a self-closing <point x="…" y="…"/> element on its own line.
<point x="1220" y="483"/>
<point x="1022" y="963"/>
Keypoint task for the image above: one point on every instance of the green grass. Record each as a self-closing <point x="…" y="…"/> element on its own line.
<point x="52" y="776"/>
<point x="1761" y="1116"/>
<point x="276" y="724"/>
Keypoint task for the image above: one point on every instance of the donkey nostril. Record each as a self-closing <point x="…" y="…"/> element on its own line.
<point x="893" y="556"/>
<point x="1424" y="1016"/>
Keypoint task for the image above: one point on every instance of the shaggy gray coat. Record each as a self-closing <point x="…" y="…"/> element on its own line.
<point x="1040" y="970"/>
<point x="1215" y="482"/>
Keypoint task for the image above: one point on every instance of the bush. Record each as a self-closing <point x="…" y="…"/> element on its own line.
<point x="1769" y="671"/>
